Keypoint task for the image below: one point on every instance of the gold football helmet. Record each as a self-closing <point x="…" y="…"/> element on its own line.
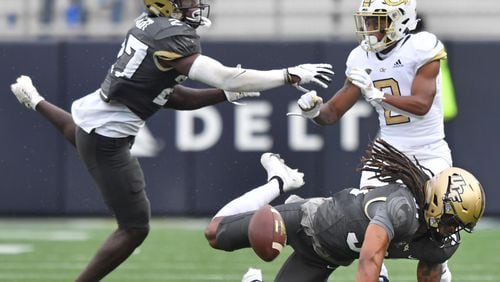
<point x="165" y="8"/>
<point x="454" y="197"/>
<point x="189" y="11"/>
<point x="393" y="18"/>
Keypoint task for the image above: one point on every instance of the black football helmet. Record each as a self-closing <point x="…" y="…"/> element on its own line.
<point x="193" y="12"/>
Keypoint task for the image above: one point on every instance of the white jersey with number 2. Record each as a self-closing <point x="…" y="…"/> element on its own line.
<point x="393" y="73"/>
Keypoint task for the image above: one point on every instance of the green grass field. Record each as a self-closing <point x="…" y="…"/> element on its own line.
<point x="52" y="250"/>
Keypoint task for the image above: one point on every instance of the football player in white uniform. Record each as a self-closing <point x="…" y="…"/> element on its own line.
<point x="161" y="50"/>
<point x="398" y="73"/>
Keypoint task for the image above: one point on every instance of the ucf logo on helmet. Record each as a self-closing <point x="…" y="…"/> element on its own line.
<point x="456" y="188"/>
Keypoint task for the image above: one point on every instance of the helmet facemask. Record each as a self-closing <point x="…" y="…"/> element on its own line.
<point x="195" y="14"/>
<point x="446" y="234"/>
<point x="369" y="26"/>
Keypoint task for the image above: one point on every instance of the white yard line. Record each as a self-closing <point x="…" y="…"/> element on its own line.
<point x="15" y="249"/>
<point x="40" y="235"/>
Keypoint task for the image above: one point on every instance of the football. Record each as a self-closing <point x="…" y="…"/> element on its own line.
<point x="267" y="233"/>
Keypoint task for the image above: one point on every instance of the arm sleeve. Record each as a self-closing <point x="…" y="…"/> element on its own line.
<point x="213" y="73"/>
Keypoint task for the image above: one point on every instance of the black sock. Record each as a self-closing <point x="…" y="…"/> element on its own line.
<point x="280" y="183"/>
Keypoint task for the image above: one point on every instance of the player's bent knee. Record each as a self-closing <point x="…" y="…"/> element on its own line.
<point x="137" y="235"/>
<point x="211" y="232"/>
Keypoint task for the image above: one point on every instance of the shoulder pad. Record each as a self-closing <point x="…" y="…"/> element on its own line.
<point x="427" y="48"/>
<point x="402" y="211"/>
<point x="425" y="41"/>
<point x="168" y="27"/>
<point x="355" y="58"/>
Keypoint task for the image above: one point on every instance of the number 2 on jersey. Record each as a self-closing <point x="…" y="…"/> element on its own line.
<point x="393" y="85"/>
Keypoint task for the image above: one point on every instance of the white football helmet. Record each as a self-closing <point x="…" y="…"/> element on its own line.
<point x="189" y="11"/>
<point x="454" y="197"/>
<point x="393" y="18"/>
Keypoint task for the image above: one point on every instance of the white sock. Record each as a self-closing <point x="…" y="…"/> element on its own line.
<point x="446" y="274"/>
<point x="252" y="200"/>
<point x="383" y="271"/>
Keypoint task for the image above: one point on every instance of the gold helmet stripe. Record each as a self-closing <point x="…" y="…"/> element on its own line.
<point x="395" y="3"/>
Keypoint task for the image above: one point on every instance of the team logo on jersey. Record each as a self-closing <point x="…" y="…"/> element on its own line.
<point x="406" y="248"/>
<point x="398" y="64"/>
<point x="403" y="245"/>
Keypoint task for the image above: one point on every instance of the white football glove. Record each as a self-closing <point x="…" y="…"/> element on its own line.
<point x="318" y="73"/>
<point x="362" y="79"/>
<point x="310" y="104"/>
<point x="233" y="96"/>
<point x="25" y="92"/>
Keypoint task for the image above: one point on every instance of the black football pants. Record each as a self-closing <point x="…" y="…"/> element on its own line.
<point x="118" y="176"/>
<point x="303" y="265"/>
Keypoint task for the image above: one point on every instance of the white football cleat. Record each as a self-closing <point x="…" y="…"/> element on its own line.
<point x="25" y="92"/>
<point x="275" y="166"/>
<point x="252" y="275"/>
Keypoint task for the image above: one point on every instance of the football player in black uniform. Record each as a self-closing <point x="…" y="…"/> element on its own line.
<point x="411" y="217"/>
<point x="160" y="51"/>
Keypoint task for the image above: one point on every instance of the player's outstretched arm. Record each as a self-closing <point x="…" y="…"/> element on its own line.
<point x="187" y="98"/>
<point x="211" y="72"/>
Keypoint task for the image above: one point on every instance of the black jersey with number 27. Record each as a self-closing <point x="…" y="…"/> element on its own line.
<point x="138" y="79"/>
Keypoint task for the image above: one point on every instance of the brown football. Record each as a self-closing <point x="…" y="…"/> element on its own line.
<point x="267" y="233"/>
